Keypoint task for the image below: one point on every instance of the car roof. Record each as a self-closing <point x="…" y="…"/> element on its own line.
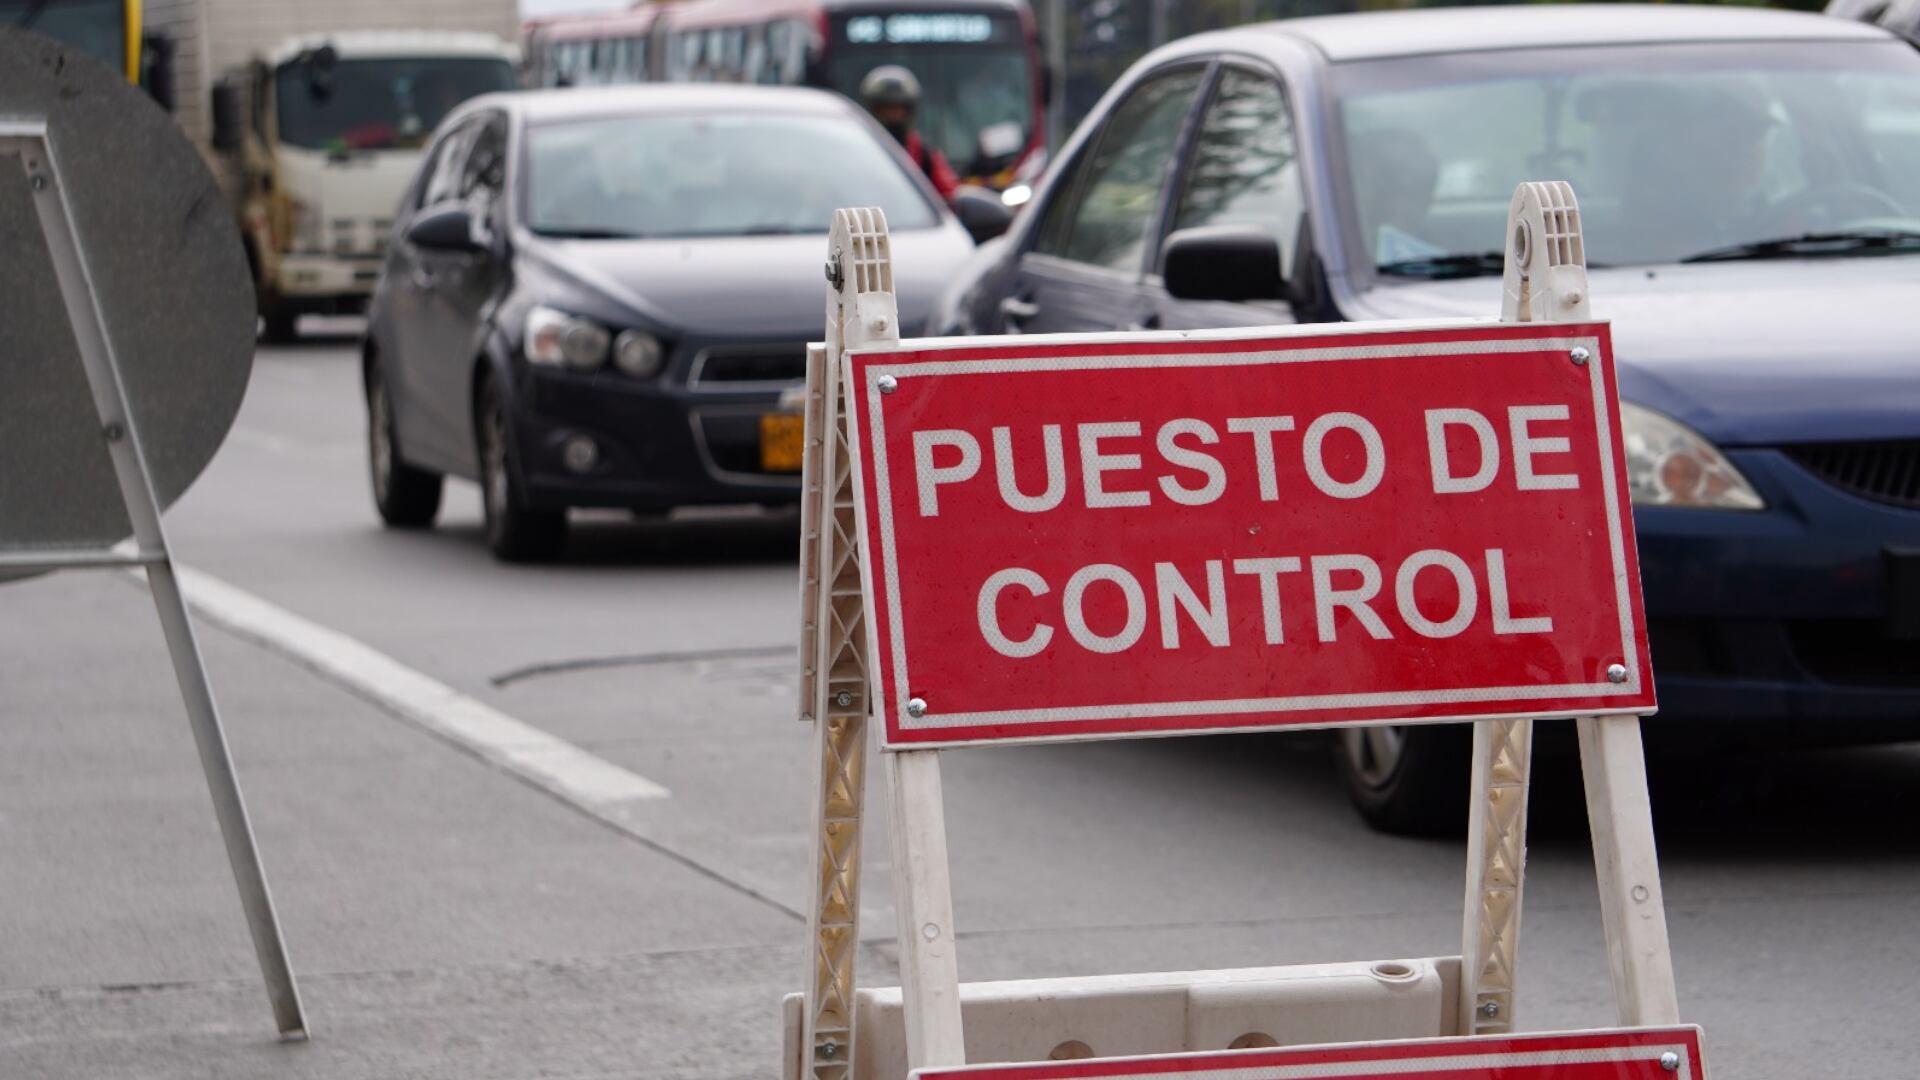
<point x="1426" y="31"/>
<point x="580" y="103"/>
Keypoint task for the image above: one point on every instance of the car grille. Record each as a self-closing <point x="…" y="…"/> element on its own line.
<point x="1887" y="472"/>
<point x="1838" y="652"/>
<point x="359" y="236"/>
<point x="783" y="364"/>
<point x="1855" y="652"/>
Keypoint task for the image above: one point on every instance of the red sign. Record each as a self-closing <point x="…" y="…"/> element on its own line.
<point x="1160" y="534"/>
<point x="1632" y="1054"/>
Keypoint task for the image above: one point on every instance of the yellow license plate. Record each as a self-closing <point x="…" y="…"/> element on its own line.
<point x="783" y="442"/>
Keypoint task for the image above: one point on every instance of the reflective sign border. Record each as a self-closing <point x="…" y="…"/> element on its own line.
<point x="1229" y="349"/>
<point x="1633" y="1052"/>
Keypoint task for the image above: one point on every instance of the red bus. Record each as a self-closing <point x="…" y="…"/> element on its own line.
<point x="588" y="50"/>
<point x="984" y="83"/>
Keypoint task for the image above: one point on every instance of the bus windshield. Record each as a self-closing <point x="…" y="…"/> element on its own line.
<point x="377" y="104"/>
<point x="976" y="78"/>
<point x="97" y="28"/>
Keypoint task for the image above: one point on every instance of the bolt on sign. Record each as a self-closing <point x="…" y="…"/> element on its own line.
<point x="1636" y="1054"/>
<point x="1157" y="535"/>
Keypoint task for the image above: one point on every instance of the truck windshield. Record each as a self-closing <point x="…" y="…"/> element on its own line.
<point x="377" y="104"/>
<point x="97" y="28"/>
<point x="976" y="78"/>
<point x="1677" y="152"/>
<point x="725" y="174"/>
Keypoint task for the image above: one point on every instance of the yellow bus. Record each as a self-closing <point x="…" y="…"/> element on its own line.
<point x="107" y="30"/>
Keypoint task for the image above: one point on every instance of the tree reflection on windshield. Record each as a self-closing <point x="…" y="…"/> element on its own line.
<point x="1674" y="150"/>
<point x="730" y="174"/>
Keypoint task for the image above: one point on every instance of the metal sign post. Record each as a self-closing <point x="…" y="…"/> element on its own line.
<point x="1184" y="576"/>
<point x="30" y="156"/>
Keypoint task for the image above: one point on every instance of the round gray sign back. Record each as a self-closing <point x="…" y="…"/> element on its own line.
<point x="166" y="263"/>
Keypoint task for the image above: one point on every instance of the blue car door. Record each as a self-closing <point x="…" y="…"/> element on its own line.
<point x="1241" y="169"/>
<point x="1088" y="253"/>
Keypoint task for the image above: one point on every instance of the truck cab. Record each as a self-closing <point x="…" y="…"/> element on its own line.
<point x="320" y="136"/>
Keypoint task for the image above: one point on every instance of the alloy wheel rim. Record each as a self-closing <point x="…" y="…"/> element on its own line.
<point x="494" y="455"/>
<point x="1374" y="753"/>
<point x="380" y="441"/>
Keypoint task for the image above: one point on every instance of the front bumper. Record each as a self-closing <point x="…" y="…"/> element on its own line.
<point x="320" y="281"/>
<point x="660" y="444"/>
<point x="1783" y="623"/>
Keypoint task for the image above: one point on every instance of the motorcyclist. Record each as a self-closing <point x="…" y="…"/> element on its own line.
<point x="892" y="95"/>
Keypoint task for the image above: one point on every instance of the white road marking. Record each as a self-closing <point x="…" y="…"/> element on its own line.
<point x="549" y="763"/>
<point x="286" y="447"/>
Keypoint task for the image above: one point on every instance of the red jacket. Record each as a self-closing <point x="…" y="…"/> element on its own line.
<point x="934" y="164"/>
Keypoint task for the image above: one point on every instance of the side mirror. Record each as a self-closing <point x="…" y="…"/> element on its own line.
<point x="320" y="64"/>
<point x="982" y="213"/>
<point x="448" y="228"/>
<point x="1222" y="262"/>
<point x="159" y="76"/>
<point x="225" y="106"/>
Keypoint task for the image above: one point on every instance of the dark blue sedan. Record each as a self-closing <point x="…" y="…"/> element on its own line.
<point x="1750" y="184"/>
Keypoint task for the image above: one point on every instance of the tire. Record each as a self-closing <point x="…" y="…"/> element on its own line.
<point x="407" y="498"/>
<point x="515" y="532"/>
<point x="279" y="326"/>
<point x="1408" y="781"/>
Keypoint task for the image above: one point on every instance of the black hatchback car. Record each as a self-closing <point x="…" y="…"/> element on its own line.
<point x="598" y="298"/>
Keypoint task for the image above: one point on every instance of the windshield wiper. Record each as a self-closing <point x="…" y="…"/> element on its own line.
<point x="1448" y="266"/>
<point x="588" y="234"/>
<point x="1844" y="242"/>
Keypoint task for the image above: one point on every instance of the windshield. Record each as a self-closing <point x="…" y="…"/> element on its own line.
<point x="976" y="79"/>
<point x="378" y="104"/>
<point x="731" y="174"/>
<point x="1673" y="150"/>
<point x="95" y="27"/>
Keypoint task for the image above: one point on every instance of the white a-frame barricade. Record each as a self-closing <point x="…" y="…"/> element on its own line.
<point x="1055" y="537"/>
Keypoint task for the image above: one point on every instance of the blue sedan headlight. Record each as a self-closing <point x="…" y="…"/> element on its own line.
<point x="1670" y="464"/>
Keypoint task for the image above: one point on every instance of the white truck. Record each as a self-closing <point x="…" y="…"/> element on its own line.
<point x="316" y="115"/>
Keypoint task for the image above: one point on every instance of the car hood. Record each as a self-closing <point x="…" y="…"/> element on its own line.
<point x="1756" y="353"/>
<point x="746" y="286"/>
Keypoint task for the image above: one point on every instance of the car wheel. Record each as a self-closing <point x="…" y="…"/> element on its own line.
<point x="1409" y="781"/>
<point x="407" y="498"/>
<point x="278" y="327"/>
<point x="514" y="532"/>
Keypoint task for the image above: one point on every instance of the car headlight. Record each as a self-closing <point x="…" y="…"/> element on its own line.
<point x="1669" y="464"/>
<point x="638" y="353"/>
<point x="556" y="338"/>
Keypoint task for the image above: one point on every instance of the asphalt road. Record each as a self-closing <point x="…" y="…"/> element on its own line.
<point x="452" y="921"/>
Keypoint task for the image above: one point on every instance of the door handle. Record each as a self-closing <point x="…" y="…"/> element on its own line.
<point x="1016" y="310"/>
